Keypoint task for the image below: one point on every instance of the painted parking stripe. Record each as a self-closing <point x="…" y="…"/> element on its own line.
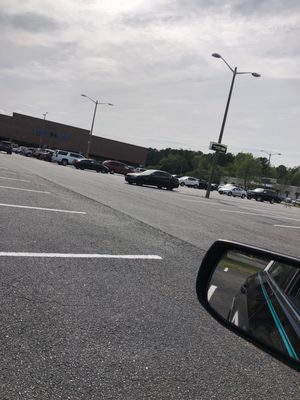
<point x="211" y="291"/>
<point x="42" y="209"/>
<point x="288" y="226"/>
<point x="14" y="179"/>
<point x="260" y="215"/>
<point x="70" y="255"/>
<point x="24" y="190"/>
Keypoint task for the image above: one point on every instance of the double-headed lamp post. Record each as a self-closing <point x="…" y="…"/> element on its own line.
<point x="96" y="102"/>
<point x="234" y="73"/>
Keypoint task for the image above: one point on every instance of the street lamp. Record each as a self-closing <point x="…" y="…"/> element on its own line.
<point x="96" y="102"/>
<point x="234" y="73"/>
<point x="45" y="115"/>
<point x="269" y="160"/>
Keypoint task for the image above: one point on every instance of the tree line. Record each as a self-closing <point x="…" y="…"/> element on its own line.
<point x="242" y="165"/>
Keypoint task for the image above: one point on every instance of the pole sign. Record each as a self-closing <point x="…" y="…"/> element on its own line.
<point x="218" y="147"/>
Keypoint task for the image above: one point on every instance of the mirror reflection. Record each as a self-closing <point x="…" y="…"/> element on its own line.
<point x="260" y="296"/>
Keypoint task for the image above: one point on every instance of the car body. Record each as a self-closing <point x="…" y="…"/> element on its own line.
<point x="64" y="157"/>
<point x="6" y="147"/>
<point x="46" y="155"/>
<point x="153" y="177"/>
<point x="296" y="202"/>
<point x="25" y="151"/>
<point x="188" y="181"/>
<point x="88" y="163"/>
<point x="234" y="191"/>
<point x="118" y="167"/>
<point x="262" y="194"/>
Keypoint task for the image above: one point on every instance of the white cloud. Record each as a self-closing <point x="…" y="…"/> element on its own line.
<point x="152" y="59"/>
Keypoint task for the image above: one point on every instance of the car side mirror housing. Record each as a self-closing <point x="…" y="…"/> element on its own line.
<point x="255" y="294"/>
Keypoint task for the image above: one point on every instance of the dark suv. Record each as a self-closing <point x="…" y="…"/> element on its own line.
<point x="261" y="194"/>
<point x="5" y="146"/>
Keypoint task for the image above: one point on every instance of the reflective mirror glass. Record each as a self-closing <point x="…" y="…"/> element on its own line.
<point x="260" y="296"/>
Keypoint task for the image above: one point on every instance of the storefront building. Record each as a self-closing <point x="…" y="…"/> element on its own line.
<point x="35" y="132"/>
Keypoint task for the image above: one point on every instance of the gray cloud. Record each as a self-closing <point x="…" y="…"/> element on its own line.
<point x="29" y="21"/>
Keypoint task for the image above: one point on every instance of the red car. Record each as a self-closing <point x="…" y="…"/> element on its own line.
<point x="118" y="167"/>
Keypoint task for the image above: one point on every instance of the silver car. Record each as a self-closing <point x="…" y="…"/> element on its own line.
<point x="234" y="191"/>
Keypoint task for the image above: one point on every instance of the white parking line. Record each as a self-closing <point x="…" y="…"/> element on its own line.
<point x="288" y="226"/>
<point x="42" y="209"/>
<point x="70" y="255"/>
<point x="261" y="215"/>
<point x="14" y="179"/>
<point x="24" y="190"/>
<point x="211" y="291"/>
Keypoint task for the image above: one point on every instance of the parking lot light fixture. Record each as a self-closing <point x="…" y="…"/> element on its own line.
<point x="270" y="154"/>
<point x="45" y="114"/>
<point x="96" y="102"/>
<point x="234" y="73"/>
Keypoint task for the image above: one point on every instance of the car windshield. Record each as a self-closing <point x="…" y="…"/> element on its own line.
<point x="148" y="172"/>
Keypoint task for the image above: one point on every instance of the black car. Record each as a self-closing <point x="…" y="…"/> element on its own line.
<point x="261" y="194"/>
<point x="153" y="177"/>
<point x="95" y="165"/>
<point x="6" y="147"/>
<point x="203" y="185"/>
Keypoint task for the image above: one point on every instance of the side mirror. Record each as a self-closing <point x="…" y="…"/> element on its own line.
<point x="255" y="294"/>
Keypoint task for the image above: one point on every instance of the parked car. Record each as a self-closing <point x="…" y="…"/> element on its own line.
<point x="188" y="181"/>
<point x="203" y="184"/>
<point x="118" y="167"/>
<point x="24" y="151"/>
<point x="296" y="202"/>
<point x="87" y="163"/>
<point x="47" y="155"/>
<point x="153" y="177"/>
<point x="234" y="191"/>
<point x="64" y="157"/>
<point x="6" y="147"/>
<point x="261" y="194"/>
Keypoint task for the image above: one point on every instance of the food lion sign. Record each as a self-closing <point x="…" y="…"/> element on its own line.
<point x="218" y="147"/>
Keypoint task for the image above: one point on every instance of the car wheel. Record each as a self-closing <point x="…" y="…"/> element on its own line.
<point x="243" y="196"/>
<point x="169" y="187"/>
<point x="111" y="172"/>
<point x="182" y="184"/>
<point x="159" y="187"/>
<point x="139" y="183"/>
<point x="229" y="194"/>
<point x="76" y="167"/>
<point x="259" y="198"/>
<point x="64" y="162"/>
<point x="272" y="201"/>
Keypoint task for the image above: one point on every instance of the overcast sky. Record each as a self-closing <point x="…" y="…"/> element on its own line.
<point x="152" y="59"/>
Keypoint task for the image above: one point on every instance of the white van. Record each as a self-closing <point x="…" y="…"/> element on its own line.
<point x="63" y="157"/>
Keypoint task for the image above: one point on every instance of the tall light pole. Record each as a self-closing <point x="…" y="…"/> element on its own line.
<point x="235" y="72"/>
<point x="96" y="102"/>
<point x="269" y="159"/>
<point x="45" y="114"/>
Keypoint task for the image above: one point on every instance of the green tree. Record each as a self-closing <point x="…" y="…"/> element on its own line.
<point x="295" y="180"/>
<point x="247" y="167"/>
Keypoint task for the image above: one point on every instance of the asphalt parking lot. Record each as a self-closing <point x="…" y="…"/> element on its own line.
<point x="98" y="288"/>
